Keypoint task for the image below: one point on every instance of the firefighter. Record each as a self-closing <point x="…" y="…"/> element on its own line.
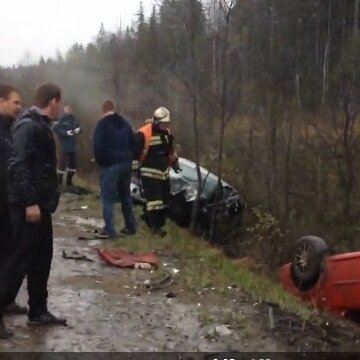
<point x="67" y="129"/>
<point x="156" y="155"/>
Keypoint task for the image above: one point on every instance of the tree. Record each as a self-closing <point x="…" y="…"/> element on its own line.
<point x="229" y="93"/>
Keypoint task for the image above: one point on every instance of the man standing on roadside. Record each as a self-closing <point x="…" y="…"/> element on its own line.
<point x="114" y="145"/>
<point x="67" y="129"/>
<point x="156" y="154"/>
<point x="10" y="107"/>
<point x="33" y="196"/>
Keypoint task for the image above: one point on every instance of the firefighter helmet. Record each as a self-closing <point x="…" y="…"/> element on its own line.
<point x="161" y="115"/>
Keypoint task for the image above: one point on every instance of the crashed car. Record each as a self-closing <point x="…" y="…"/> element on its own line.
<point x="184" y="187"/>
<point x="326" y="280"/>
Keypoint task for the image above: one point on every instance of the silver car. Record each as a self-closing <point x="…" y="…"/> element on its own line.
<point x="184" y="187"/>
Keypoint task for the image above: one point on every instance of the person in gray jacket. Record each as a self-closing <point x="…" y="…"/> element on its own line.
<point x="67" y="129"/>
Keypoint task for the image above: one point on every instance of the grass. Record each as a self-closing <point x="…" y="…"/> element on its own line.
<point x="201" y="265"/>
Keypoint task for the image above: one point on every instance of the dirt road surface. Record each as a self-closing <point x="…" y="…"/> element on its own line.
<point x="110" y="309"/>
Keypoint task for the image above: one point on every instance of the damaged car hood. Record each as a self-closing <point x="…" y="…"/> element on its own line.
<point x="187" y="181"/>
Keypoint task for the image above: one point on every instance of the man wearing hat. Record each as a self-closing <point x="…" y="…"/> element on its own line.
<point x="156" y="155"/>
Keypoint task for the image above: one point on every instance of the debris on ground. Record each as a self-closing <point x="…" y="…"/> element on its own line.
<point x="75" y="255"/>
<point x="271" y="318"/>
<point x="222" y="330"/>
<point x="170" y="295"/>
<point x="143" y="266"/>
<point x="160" y="281"/>
<point x="124" y="259"/>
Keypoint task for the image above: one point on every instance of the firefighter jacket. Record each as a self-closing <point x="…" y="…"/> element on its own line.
<point x="155" y="152"/>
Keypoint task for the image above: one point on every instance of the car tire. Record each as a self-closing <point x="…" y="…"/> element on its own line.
<point x="308" y="263"/>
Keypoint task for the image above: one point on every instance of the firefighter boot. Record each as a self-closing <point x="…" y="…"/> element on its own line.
<point x="4" y="332"/>
<point x="60" y="178"/>
<point x="69" y="177"/>
<point x="157" y="231"/>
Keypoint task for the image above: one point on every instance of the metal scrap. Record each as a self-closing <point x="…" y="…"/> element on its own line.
<point x="76" y="256"/>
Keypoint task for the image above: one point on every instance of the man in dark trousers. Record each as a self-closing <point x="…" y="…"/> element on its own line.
<point x="33" y="196"/>
<point x="67" y="129"/>
<point x="10" y="107"/>
<point x="114" y="144"/>
<point x="156" y="155"/>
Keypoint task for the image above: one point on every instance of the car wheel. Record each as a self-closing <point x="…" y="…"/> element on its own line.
<point x="308" y="263"/>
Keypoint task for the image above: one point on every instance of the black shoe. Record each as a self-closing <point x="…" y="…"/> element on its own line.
<point x="103" y="235"/>
<point x="46" y="319"/>
<point x="4" y="332"/>
<point x="159" y="232"/>
<point x="127" y="231"/>
<point x="15" y="309"/>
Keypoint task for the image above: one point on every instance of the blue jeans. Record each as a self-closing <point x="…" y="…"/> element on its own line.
<point x="115" y="187"/>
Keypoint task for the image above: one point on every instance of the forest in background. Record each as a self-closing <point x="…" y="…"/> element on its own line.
<point x="265" y="93"/>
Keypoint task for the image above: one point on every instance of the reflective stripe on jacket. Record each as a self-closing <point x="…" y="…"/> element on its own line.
<point x="150" y="140"/>
<point x="154" y="173"/>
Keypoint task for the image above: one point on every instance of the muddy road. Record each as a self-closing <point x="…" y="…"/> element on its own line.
<point x="110" y="309"/>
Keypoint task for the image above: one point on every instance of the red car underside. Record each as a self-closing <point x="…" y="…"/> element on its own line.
<point x="338" y="288"/>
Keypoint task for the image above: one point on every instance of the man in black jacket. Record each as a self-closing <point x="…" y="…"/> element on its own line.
<point x="114" y="145"/>
<point x="10" y="107"/>
<point x="33" y="196"/>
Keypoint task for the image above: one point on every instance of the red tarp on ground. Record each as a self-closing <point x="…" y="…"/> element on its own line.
<point x="121" y="258"/>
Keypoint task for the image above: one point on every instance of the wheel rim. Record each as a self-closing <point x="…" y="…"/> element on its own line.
<point x="302" y="256"/>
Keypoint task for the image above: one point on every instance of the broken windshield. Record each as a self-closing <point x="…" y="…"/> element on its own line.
<point x="209" y="180"/>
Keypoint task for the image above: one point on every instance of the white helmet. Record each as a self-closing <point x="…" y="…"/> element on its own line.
<point x="161" y="115"/>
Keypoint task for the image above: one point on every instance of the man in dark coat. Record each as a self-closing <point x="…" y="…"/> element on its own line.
<point x="67" y="129"/>
<point x="33" y="196"/>
<point x="10" y="107"/>
<point x="114" y="144"/>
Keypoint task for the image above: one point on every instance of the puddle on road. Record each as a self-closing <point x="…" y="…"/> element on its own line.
<point x="91" y="222"/>
<point x="100" y="321"/>
<point x="65" y="220"/>
<point x="106" y="313"/>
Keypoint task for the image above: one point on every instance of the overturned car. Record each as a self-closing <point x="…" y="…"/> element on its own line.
<point x="184" y="187"/>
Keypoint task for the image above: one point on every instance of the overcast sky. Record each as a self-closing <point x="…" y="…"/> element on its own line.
<point x="39" y="27"/>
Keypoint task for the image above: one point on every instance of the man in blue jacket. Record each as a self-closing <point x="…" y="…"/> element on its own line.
<point x="67" y="129"/>
<point x="114" y="146"/>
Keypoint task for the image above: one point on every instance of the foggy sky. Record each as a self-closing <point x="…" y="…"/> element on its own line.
<point x="40" y="27"/>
